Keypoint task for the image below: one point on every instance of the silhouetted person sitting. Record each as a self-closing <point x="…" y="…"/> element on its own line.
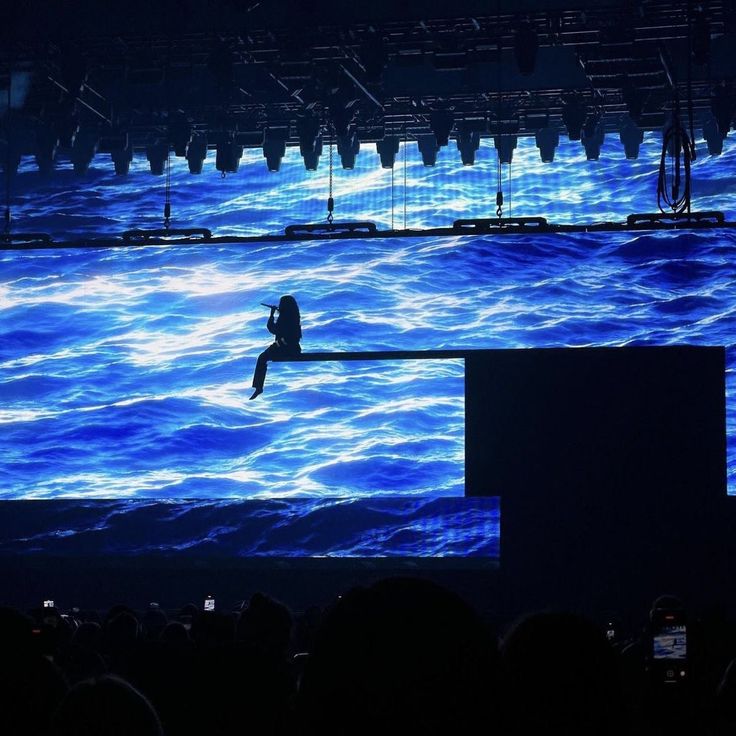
<point x="287" y="332"/>
<point x="105" y="707"/>
<point x="560" y="676"/>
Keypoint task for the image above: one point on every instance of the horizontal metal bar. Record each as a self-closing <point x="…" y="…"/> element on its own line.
<point x="708" y="221"/>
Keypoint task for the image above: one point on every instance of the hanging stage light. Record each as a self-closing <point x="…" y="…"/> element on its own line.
<point x="180" y="136"/>
<point x="631" y="136"/>
<point x="67" y="127"/>
<point x="387" y="150"/>
<point x="121" y="160"/>
<point x="84" y="150"/>
<point x="340" y="115"/>
<point x="227" y="156"/>
<point x="526" y="45"/>
<point x="122" y="155"/>
<point x="47" y="144"/>
<point x="197" y="153"/>
<point x="311" y="158"/>
<point x="573" y="115"/>
<point x="723" y="105"/>
<point x="428" y="147"/>
<point x="505" y="145"/>
<point x="310" y="141"/>
<point x="274" y="150"/>
<point x="547" y="140"/>
<point x="592" y="137"/>
<point x="348" y="147"/>
<point x="713" y="137"/>
<point x="157" y="153"/>
<point x="274" y="146"/>
<point x="441" y="123"/>
<point x="468" y="142"/>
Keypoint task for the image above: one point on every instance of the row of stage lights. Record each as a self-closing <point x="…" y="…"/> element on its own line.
<point x="193" y="146"/>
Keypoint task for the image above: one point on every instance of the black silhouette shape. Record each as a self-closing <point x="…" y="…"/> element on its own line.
<point x="287" y="331"/>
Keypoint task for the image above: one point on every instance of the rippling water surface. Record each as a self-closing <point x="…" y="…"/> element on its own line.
<point x="125" y="373"/>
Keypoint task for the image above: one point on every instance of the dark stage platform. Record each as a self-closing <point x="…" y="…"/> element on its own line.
<point x="610" y="464"/>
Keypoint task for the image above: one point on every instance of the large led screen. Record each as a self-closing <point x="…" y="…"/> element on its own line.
<point x="125" y="373"/>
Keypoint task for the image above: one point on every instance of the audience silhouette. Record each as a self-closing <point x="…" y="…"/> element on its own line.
<point x="400" y="656"/>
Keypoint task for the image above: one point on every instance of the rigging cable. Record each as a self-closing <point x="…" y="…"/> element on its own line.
<point x="167" y="186"/>
<point x="680" y="145"/>
<point x="499" y="182"/>
<point x="330" y="199"/>
<point x="499" y="189"/>
<point x="392" y="195"/>
<point x="8" y="217"/>
<point x="508" y="195"/>
<point x="690" y="79"/>
<point x="405" y="146"/>
<point x="167" y="196"/>
<point x="672" y="193"/>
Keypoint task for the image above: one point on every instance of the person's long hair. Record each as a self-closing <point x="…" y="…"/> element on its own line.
<point x="289" y="310"/>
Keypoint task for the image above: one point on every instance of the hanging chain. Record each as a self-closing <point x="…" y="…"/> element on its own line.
<point x="167" y="191"/>
<point x="499" y="191"/>
<point x="392" y="197"/>
<point x="405" y="147"/>
<point x="8" y="154"/>
<point x="330" y="199"/>
<point x="508" y="190"/>
<point x="167" y="196"/>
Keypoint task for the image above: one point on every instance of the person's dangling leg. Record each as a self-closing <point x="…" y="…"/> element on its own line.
<point x="259" y="375"/>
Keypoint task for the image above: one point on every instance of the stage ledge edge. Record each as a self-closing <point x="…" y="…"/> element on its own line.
<point x="458" y="353"/>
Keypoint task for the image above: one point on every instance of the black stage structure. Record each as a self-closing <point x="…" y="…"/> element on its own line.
<point x="610" y="465"/>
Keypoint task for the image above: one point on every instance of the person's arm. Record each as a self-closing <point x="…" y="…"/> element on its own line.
<point x="271" y="324"/>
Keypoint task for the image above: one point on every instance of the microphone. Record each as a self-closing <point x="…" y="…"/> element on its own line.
<point x="270" y="306"/>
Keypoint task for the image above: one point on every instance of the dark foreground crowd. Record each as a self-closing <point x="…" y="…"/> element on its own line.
<point x="403" y="656"/>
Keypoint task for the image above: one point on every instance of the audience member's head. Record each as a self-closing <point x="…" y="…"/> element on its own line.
<point x="16" y="633"/>
<point x="560" y="675"/>
<point x="121" y="631"/>
<point x="154" y="621"/>
<point x="31" y="687"/>
<point x="175" y="634"/>
<point x="665" y="603"/>
<point x="89" y="635"/>
<point x="403" y="656"/>
<point x="213" y="628"/>
<point x="108" y="706"/>
<point x="80" y="663"/>
<point x="267" y="624"/>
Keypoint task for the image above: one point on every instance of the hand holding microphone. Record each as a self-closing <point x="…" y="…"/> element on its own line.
<point x="272" y="307"/>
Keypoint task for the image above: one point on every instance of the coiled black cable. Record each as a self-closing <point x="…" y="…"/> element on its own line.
<point x="672" y="192"/>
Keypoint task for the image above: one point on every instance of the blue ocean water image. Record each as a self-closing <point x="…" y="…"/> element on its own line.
<point x="125" y="373"/>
